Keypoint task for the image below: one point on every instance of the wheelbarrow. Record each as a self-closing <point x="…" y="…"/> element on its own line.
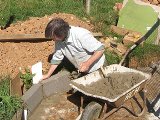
<point x="101" y="106"/>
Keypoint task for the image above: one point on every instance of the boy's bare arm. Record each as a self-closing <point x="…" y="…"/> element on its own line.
<point x="51" y="70"/>
<point x="85" y="65"/>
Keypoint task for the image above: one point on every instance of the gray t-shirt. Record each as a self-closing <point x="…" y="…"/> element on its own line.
<point x="78" y="48"/>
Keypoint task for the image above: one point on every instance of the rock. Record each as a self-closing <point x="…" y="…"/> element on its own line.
<point x="131" y="38"/>
<point x="121" y="49"/>
<point x="155" y="2"/>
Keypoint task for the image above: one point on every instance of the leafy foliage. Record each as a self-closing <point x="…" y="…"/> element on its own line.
<point x="8" y="104"/>
<point x="27" y="78"/>
<point x="112" y="58"/>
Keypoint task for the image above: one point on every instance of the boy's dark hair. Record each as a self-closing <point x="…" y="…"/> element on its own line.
<point x="57" y="27"/>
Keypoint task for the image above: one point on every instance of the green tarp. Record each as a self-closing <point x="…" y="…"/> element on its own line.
<point x="138" y="18"/>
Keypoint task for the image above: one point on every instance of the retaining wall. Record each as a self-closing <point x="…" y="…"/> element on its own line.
<point x="58" y="83"/>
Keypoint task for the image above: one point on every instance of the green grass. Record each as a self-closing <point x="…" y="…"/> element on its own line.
<point x="23" y="9"/>
<point x="146" y="54"/>
<point x="112" y="58"/>
<point x="146" y="49"/>
<point x="102" y="13"/>
<point x="8" y="104"/>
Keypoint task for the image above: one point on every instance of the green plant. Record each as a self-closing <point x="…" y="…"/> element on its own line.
<point x="8" y="104"/>
<point x="27" y="78"/>
<point x="145" y="49"/>
<point x="112" y="58"/>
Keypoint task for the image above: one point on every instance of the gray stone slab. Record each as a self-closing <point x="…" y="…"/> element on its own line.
<point x="33" y="97"/>
<point x="58" y="83"/>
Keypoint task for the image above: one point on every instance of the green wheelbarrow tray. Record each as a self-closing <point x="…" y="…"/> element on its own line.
<point x="119" y="100"/>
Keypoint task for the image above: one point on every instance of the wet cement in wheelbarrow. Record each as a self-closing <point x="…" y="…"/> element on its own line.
<point x="113" y="85"/>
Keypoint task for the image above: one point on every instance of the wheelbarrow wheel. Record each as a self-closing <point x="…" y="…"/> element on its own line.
<point x="92" y="111"/>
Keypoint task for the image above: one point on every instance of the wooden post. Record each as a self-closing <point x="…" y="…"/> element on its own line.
<point x="15" y="86"/>
<point x="87" y="4"/>
<point x="157" y="41"/>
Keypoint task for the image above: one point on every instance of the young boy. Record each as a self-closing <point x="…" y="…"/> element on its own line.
<point x="75" y="43"/>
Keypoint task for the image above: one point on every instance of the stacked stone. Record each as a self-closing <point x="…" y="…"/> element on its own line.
<point x="154" y="2"/>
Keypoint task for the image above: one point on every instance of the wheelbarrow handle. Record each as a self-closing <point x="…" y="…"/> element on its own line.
<point x="103" y="71"/>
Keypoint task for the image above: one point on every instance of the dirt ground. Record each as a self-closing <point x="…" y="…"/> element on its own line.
<point x="15" y="55"/>
<point x="113" y="85"/>
<point x="56" y="107"/>
<point x="66" y="107"/>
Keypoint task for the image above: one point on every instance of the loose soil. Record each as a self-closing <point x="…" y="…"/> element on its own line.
<point x="56" y="107"/>
<point x="15" y="55"/>
<point x="113" y="85"/>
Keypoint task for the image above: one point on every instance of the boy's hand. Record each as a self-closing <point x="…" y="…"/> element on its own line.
<point x="44" y="77"/>
<point x="84" y="66"/>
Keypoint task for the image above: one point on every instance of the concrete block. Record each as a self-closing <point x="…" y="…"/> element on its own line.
<point x="33" y="97"/>
<point x="58" y="83"/>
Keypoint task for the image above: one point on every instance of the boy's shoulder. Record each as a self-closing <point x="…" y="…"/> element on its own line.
<point x="78" y="29"/>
